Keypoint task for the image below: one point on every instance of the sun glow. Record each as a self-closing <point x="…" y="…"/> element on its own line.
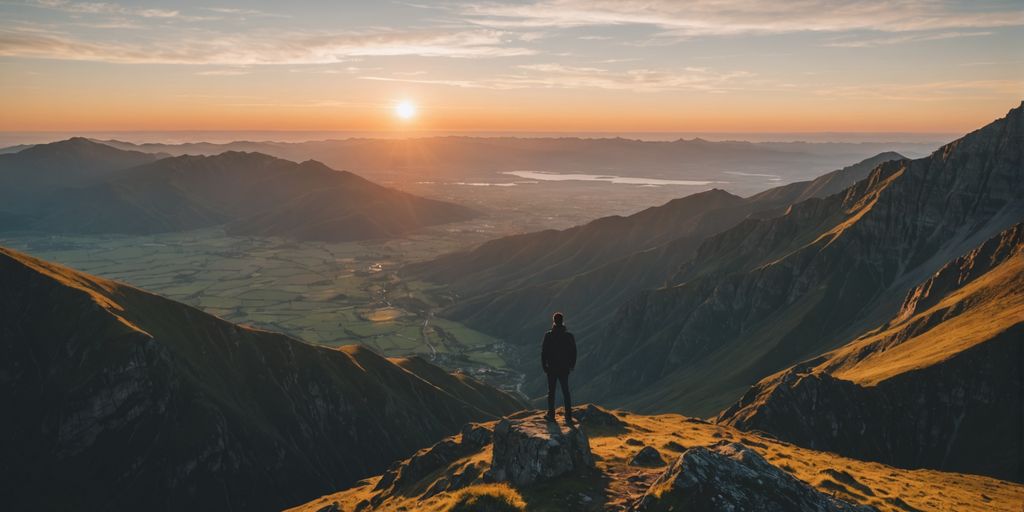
<point x="405" y="110"/>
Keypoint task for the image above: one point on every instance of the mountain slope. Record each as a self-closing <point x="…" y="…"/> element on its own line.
<point x="37" y="170"/>
<point x="164" y="406"/>
<point x="770" y="292"/>
<point x="938" y="385"/>
<point x="509" y="287"/>
<point x="253" y="194"/>
<point x="532" y="258"/>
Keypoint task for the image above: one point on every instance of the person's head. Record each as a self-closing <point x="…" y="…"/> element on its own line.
<point x="558" y="319"/>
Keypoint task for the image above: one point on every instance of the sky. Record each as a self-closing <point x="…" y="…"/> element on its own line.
<point x="529" y="66"/>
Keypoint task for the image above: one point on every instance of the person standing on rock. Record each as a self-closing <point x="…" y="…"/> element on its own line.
<point x="558" y="357"/>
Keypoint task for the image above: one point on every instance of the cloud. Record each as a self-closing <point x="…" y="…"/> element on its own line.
<point x="733" y="17"/>
<point x="254" y="13"/>
<point x="927" y="91"/>
<point x="223" y="72"/>
<point x="558" y="76"/>
<point x="105" y="8"/>
<point x="898" y="39"/>
<point x="260" y="48"/>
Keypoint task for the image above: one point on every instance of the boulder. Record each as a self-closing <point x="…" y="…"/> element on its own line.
<point x="530" y="449"/>
<point x="733" y="477"/>
<point x="594" y="416"/>
<point x="648" y="456"/>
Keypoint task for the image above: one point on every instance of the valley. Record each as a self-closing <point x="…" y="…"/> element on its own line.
<point x="331" y="294"/>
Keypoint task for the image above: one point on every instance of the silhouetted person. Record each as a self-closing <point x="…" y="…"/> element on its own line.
<point x="558" y="356"/>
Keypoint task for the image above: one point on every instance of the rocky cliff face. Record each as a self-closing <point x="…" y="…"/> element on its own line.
<point x="938" y="386"/>
<point x="117" y="398"/>
<point x="771" y="292"/>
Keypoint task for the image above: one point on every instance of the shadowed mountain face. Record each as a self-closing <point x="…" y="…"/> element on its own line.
<point x="938" y="385"/>
<point x="33" y="172"/>
<point x="508" y="287"/>
<point x="250" y="193"/>
<point x="770" y="292"/>
<point x="480" y="158"/>
<point x="119" y="399"/>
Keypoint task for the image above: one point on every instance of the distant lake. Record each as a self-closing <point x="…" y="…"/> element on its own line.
<point x="618" y="180"/>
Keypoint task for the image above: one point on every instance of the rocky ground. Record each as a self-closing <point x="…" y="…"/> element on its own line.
<point x="614" y="460"/>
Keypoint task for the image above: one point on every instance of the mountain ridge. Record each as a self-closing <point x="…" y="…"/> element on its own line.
<point x="248" y="193"/>
<point x="938" y="385"/>
<point x="196" y="412"/>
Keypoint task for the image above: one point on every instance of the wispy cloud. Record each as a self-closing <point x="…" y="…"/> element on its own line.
<point x="959" y="90"/>
<point x="904" y="38"/>
<point x="559" y="76"/>
<point x="253" y="13"/>
<point x="223" y="72"/>
<point x="261" y="48"/>
<point x="732" y="17"/>
<point x="106" y="8"/>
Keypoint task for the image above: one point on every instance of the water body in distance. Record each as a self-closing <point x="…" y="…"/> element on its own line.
<point x="618" y="180"/>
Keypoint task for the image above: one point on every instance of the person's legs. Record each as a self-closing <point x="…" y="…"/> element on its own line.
<point x="551" y="395"/>
<point x="565" y="395"/>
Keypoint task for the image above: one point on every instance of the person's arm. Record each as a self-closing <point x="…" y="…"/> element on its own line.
<point x="572" y="352"/>
<point x="544" y="352"/>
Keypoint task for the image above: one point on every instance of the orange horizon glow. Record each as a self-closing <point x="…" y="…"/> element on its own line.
<point x="535" y="66"/>
<point x="212" y="117"/>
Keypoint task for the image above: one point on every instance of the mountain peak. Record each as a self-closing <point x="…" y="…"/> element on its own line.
<point x="74" y="144"/>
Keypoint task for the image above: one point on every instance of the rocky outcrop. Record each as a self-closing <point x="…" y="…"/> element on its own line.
<point x="647" y="456"/>
<point x="531" y="449"/>
<point x="595" y="417"/>
<point x="733" y="477"/>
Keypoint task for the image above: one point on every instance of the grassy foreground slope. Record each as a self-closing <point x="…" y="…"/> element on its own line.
<point x="616" y="484"/>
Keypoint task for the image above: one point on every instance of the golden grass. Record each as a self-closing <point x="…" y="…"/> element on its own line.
<point x="487" y="498"/>
<point x="887" y="488"/>
<point x="992" y="304"/>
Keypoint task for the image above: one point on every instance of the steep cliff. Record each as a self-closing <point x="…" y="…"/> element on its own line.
<point x="939" y="385"/>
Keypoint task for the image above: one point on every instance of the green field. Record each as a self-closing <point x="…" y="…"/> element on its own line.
<point x="326" y="293"/>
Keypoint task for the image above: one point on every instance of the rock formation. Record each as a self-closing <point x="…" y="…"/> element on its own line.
<point x="734" y="477"/>
<point x="530" y="450"/>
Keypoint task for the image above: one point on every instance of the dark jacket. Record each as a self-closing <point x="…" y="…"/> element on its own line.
<point x="558" y="353"/>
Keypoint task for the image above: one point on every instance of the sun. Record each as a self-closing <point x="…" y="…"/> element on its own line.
<point x="405" y="110"/>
